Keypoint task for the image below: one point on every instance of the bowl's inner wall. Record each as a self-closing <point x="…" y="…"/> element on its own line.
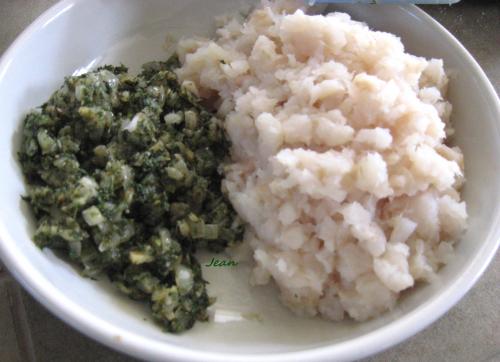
<point x="95" y="32"/>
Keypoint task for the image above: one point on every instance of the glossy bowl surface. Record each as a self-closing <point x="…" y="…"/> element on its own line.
<point x="76" y="35"/>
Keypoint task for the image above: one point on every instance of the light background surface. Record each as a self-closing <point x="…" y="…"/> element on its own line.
<point x="469" y="332"/>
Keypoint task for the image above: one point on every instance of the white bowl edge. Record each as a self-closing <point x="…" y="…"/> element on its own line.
<point x="143" y="348"/>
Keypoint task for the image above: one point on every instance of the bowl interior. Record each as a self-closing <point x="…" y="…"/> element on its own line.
<point x="80" y="35"/>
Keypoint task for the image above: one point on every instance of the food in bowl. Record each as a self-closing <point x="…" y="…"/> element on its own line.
<point x="123" y="177"/>
<point x="339" y="167"/>
<point x="340" y="164"/>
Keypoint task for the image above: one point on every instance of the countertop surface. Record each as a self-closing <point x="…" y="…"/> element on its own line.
<point x="468" y="332"/>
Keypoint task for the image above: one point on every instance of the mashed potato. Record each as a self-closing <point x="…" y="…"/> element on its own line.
<point x="339" y="163"/>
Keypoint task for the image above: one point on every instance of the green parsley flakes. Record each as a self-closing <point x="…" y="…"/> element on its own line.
<point x="124" y="177"/>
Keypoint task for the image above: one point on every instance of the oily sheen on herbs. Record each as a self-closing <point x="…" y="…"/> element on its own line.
<point x="124" y="177"/>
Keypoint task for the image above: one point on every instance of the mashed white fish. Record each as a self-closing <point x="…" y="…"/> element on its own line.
<point x="339" y="165"/>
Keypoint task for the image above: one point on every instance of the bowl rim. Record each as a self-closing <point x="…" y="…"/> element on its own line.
<point x="144" y="348"/>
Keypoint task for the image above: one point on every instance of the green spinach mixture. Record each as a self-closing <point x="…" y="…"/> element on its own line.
<point x="124" y="177"/>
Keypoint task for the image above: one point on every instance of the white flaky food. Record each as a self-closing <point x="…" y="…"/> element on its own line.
<point x="339" y="163"/>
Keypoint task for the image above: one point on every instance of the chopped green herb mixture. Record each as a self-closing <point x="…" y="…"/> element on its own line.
<point x="124" y="176"/>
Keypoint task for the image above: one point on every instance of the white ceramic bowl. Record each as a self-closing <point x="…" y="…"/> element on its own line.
<point x="76" y="35"/>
